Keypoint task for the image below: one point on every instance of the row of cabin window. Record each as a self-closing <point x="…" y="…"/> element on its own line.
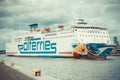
<point x="97" y="40"/>
<point x="91" y="28"/>
<point x="93" y="36"/>
<point x="60" y="37"/>
<point x="93" y="32"/>
<point x="65" y="32"/>
<point x="97" y="32"/>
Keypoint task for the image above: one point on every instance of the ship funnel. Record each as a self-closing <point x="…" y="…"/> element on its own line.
<point x="33" y="26"/>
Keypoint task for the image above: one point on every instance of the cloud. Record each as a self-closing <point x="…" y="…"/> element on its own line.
<point x="18" y="14"/>
<point x="6" y="34"/>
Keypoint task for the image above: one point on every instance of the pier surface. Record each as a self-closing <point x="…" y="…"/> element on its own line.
<point x="7" y="73"/>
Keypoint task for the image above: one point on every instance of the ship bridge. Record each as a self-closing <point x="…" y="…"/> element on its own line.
<point x="81" y="24"/>
<point x="80" y="21"/>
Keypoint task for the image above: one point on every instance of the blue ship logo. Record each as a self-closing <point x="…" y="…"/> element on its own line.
<point x="37" y="46"/>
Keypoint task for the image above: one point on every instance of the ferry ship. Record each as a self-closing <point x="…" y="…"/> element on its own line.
<point x="66" y="40"/>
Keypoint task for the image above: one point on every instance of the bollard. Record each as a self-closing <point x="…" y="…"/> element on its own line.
<point x="12" y="63"/>
<point x="37" y="72"/>
<point x="3" y="62"/>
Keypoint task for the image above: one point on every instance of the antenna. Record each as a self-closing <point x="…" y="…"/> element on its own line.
<point x="80" y="15"/>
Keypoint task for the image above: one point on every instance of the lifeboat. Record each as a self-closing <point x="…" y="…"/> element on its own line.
<point x="38" y="29"/>
<point x="60" y="26"/>
<point x="32" y="30"/>
<point x="35" y="29"/>
<point x="47" y="28"/>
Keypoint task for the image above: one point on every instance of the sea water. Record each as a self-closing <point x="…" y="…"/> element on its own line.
<point x="69" y="68"/>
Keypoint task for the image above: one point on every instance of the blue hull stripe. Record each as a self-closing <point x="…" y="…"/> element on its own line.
<point x="37" y="52"/>
<point x="106" y="51"/>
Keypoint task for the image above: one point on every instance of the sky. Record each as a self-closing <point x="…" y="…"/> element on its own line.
<point x="18" y="14"/>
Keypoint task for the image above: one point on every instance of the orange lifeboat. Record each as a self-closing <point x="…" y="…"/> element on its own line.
<point x="38" y="29"/>
<point x="47" y="28"/>
<point x="32" y="30"/>
<point x="60" y="26"/>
